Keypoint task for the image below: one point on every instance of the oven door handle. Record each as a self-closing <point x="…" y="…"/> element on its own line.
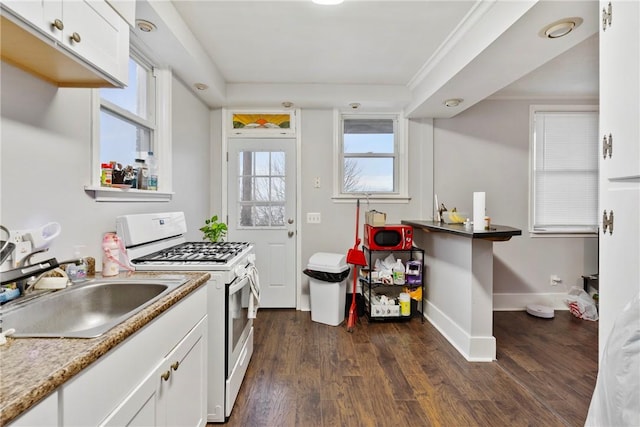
<point x="236" y="286"/>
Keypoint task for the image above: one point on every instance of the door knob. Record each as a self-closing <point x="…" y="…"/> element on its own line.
<point x="290" y="220"/>
<point x="291" y="233"/>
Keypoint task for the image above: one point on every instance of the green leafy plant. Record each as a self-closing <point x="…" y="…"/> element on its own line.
<point x="214" y="230"/>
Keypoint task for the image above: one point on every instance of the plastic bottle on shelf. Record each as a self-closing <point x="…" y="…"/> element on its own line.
<point x="152" y="164"/>
<point x="398" y="273"/>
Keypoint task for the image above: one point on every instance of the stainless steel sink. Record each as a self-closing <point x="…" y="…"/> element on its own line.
<point x="85" y="310"/>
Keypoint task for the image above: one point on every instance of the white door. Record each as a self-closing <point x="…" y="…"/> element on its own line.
<point x="262" y="209"/>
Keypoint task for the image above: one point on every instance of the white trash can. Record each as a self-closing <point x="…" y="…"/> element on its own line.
<point x="328" y="285"/>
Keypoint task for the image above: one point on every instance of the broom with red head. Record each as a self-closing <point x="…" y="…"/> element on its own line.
<point x="356" y="257"/>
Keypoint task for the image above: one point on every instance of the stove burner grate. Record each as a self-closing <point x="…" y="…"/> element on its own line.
<point x="200" y="252"/>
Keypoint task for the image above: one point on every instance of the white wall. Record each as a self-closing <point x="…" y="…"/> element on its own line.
<point x="46" y="162"/>
<point x="336" y="232"/>
<point x="486" y="148"/>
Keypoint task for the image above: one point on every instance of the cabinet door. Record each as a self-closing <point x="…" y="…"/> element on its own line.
<point x="44" y="414"/>
<point x="183" y="396"/>
<point x="40" y="14"/>
<point x="619" y="255"/>
<point x="95" y="32"/>
<point x="140" y="408"/>
<point x="620" y="89"/>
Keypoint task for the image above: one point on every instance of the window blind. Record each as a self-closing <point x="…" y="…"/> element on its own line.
<point x="565" y="172"/>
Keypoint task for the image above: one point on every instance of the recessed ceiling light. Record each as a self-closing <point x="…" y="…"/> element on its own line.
<point x="200" y="86"/>
<point x="328" y="2"/>
<point x="560" y="28"/>
<point x="354" y="105"/>
<point x="287" y="104"/>
<point x="145" y="26"/>
<point x="453" y="102"/>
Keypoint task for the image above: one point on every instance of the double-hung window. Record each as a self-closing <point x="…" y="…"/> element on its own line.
<point x="564" y="169"/>
<point x="127" y="116"/>
<point x="130" y="124"/>
<point x="371" y="156"/>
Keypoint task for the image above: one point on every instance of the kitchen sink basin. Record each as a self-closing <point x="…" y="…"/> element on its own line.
<point x="85" y="310"/>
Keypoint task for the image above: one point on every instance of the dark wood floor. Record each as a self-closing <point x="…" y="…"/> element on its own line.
<point x="305" y="373"/>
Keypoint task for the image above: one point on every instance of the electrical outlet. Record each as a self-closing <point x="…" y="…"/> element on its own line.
<point x="313" y="218"/>
<point x="554" y="280"/>
<point x="17" y="236"/>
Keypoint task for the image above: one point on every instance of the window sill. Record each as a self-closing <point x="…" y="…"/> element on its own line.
<point x="388" y="198"/>
<point x="562" y="233"/>
<point x="108" y="194"/>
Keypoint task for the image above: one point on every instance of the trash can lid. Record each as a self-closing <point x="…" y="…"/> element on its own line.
<point x="328" y="262"/>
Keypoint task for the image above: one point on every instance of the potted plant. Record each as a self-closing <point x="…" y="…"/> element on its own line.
<point x="214" y="230"/>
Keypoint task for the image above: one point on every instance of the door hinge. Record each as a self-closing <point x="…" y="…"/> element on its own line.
<point x="607" y="146"/>
<point x="606" y="17"/>
<point x="607" y="222"/>
<point x="227" y="157"/>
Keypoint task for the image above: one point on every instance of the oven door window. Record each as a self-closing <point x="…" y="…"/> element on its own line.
<point x="238" y="320"/>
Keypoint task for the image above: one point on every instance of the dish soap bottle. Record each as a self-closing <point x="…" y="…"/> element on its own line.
<point x="77" y="272"/>
<point x="398" y="273"/>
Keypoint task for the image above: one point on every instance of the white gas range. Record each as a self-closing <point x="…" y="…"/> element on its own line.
<point x="156" y="242"/>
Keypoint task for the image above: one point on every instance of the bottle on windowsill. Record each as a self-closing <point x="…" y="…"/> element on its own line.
<point x="152" y="164"/>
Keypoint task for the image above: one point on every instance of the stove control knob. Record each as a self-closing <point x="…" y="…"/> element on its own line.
<point x="239" y="270"/>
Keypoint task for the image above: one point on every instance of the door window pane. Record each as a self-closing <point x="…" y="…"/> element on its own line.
<point x="261" y="189"/>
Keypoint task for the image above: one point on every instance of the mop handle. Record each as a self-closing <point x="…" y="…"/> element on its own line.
<point x="357" y="220"/>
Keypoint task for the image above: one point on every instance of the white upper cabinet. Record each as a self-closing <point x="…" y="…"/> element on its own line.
<point x="619" y="242"/>
<point x="619" y="89"/>
<point x="69" y="43"/>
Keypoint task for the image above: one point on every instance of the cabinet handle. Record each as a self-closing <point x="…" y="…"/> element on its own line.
<point x="58" y="24"/>
<point x="166" y="375"/>
<point x="175" y="365"/>
<point x="76" y="37"/>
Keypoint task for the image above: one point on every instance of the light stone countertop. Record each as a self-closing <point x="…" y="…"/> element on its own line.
<point x="32" y="368"/>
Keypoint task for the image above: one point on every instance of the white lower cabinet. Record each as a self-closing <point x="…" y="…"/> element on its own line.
<point x="156" y="377"/>
<point x="44" y="414"/>
<point x="172" y="394"/>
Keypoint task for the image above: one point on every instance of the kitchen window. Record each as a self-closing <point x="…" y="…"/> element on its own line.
<point x="564" y="170"/>
<point x="370" y="156"/>
<point x="130" y="123"/>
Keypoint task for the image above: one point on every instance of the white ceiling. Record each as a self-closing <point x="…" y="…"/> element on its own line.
<point x="385" y="55"/>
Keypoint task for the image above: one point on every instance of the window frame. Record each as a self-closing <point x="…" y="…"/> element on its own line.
<point x="569" y="231"/>
<point x="159" y="123"/>
<point x="400" y="195"/>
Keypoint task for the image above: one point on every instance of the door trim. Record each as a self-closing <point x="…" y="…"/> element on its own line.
<point x="224" y="182"/>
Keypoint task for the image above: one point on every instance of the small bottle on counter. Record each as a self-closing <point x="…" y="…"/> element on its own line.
<point x="487" y="223"/>
<point x="110" y="255"/>
<point x="77" y="272"/>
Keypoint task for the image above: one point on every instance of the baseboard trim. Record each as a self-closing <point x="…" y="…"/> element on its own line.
<point x="519" y="302"/>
